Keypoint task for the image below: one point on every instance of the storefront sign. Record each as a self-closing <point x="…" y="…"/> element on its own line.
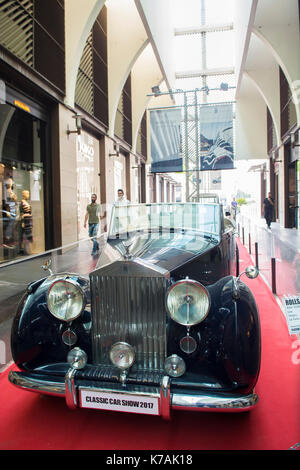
<point x="22" y="105"/>
<point x="292" y="313"/>
<point x="86" y="150"/>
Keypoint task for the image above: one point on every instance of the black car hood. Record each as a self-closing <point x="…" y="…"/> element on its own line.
<point x="166" y="250"/>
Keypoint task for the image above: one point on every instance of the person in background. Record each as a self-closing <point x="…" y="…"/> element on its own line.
<point x="121" y="200"/>
<point x="121" y="219"/>
<point x="269" y="209"/>
<point x="93" y="217"/>
<point x="233" y="208"/>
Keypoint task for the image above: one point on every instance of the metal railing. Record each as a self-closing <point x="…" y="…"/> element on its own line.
<point x="276" y="253"/>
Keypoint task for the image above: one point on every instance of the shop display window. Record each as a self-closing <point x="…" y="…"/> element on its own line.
<point x="22" y="230"/>
<point x="87" y="158"/>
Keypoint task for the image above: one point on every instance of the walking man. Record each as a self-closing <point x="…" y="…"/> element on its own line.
<point x="93" y="217"/>
<point x="269" y="209"/>
<point x="233" y="208"/>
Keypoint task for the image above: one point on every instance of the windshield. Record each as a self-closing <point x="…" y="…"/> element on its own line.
<point x="171" y="217"/>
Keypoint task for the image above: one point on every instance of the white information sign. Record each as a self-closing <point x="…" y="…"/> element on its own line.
<point x="292" y="312"/>
<point x="119" y="402"/>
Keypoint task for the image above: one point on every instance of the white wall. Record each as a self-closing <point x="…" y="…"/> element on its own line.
<point x="243" y="19"/>
<point x="158" y="14"/>
<point x="144" y="75"/>
<point x="251" y="124"/>
<point x="127" y="39"/>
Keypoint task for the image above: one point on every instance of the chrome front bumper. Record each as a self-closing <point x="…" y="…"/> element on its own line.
<point x="167" y="400"/>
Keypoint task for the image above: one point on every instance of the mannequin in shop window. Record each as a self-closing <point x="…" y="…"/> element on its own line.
<point x="26" y="222"/>
<point x="10" y="214"/>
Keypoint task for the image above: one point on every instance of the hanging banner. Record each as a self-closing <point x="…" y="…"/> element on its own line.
<point x="165" y="139"/>
<point x="216" y="137"/>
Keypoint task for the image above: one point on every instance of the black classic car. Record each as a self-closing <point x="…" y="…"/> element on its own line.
<point x="163" y="322"/>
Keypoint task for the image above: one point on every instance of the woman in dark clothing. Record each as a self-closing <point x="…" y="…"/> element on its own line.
<point x="269" y="209"/>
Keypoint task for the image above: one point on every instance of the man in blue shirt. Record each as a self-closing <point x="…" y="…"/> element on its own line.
<point x="233" y="208"/>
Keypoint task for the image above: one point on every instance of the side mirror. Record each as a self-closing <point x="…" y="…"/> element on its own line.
<point x="251" y="272"/>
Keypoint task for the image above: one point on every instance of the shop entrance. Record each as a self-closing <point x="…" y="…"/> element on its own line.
<point x="88" y="181"/>
<point x="22" y="141"/>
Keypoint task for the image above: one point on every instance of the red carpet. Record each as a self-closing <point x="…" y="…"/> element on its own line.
<point x="31" y="421"/>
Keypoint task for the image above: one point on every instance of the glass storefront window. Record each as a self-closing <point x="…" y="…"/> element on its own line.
<point x="22" y="231"/>
<point x="88" y="181"/>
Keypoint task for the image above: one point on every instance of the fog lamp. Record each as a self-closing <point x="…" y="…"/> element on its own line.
<point x="77" y="358"/>
<point x="122" y="355"/>
<point x="175" y="366"/>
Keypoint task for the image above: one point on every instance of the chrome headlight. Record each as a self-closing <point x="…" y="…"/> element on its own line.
<point x="122" y="355"/>
<point x="187" y="302"/>
<point x="66" y="299"/>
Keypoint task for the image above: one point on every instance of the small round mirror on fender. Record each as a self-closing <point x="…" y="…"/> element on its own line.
<point x="251" y="272"/>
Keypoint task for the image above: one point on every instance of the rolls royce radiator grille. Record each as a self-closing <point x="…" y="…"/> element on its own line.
<point x="128" y="305"/>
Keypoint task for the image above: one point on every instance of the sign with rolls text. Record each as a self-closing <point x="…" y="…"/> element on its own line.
<point x="292" y="313"/>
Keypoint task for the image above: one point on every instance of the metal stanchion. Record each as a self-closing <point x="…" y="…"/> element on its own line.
<point x="256" y="254"/>
<point x="243" y="235"/>
<point x="237" y="261"/>
<point x="273" y="268"/>
<point x="249" y="238"/>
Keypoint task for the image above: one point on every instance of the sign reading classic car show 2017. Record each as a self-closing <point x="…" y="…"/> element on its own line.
<point x="119" y="402"/>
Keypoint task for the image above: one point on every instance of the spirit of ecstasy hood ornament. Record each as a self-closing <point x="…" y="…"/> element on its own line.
<point x="125" y="250"/>
<point x="127" y="255"/>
